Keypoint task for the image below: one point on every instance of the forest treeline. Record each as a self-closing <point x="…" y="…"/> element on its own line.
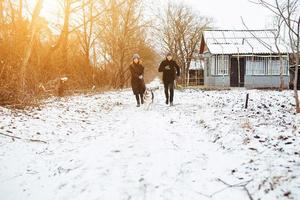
<point x="91" y="44"/>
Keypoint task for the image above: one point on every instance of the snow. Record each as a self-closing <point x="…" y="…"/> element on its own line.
<point x="103" y="147"/>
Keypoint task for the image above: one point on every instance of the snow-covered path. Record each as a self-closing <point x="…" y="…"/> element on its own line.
<point x="103" y="147"/>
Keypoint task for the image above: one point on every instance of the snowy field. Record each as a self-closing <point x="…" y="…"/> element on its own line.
<point x="102" y="147"/>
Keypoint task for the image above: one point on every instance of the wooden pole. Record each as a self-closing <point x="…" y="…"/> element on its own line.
<point x="239" y="68"/>
<point x="247" y="100"/>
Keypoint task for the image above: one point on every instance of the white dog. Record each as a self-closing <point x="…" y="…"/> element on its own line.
<point x="149" y="93"/>
<point x="148" y="98"/>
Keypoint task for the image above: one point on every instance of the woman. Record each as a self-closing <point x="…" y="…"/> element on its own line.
<point x="137" y="79"/>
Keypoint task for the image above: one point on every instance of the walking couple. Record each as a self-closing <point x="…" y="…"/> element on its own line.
<point x="170" y="71"/>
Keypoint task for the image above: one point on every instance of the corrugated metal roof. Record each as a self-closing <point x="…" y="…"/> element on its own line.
<point x="243" y="42"/>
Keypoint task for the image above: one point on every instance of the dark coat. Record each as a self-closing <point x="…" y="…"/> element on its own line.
<point x="170" y="69"/>
<point x="137" y="84"/>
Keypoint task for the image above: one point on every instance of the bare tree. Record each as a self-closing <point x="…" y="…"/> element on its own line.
<point x="87" y="41"/>
<point x="63" y="39"/>
<point x="122" y="34"/>
<point x="110" y="30"/>
<point x="181" y="32"/>
<point x="278" y="45"/>
<point x="277" y="35"/>
<point x="288" y="11"/>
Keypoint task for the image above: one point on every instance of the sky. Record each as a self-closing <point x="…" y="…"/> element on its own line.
<point x="226" y="13"/>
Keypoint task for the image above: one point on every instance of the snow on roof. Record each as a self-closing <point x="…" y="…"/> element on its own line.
<point x="243" y="42"/>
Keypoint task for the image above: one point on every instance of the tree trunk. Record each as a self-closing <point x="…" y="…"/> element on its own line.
<point x="296" y="67"/>
<point x="188" y="78"/>
<point x="65" y="38"/>
<point x="28" y="48"/>
<point x="20" y="9"/>
<point x="281" y="87"/>
<point x="87" y="30"/>
<point x="121" y="72"/>
<point x="296" y="84"/>
<point x="188" y="65"/>
<point x="1" y="13"/>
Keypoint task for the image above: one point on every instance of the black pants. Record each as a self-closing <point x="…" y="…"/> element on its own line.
<point x="169" y="87"/>
<point x="139" y="98"/>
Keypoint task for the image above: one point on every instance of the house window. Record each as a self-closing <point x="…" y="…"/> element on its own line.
<point x="212" y="66"/>
<point x="274" y="67"/>
<point x="220" y="65"/>
<point x="265" y="66"/>
<point x="256" y="66"/>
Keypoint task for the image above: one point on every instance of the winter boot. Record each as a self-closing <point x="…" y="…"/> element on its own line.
<point x="138" y="104"/>
<point x="142" y="98"/>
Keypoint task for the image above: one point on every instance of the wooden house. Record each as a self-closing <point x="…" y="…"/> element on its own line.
<point x="244" y="58"/>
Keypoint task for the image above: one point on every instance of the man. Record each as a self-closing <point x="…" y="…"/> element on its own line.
<point x="170" y="70"/>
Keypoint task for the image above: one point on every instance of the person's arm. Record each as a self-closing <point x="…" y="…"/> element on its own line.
<point x="177" y="69"/>
<point x="161" y="67"/>
<point x="141" y="75"/>
<point x="143" y="70"/>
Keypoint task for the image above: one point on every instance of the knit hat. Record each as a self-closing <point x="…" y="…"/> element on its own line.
<point x="169" y="54"/>
<point x="136" y="56"/>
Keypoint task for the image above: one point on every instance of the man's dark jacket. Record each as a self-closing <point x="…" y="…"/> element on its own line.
<point x="170" y="69"/>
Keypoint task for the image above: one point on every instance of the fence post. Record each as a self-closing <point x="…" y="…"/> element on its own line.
<point x="247" y="100"/>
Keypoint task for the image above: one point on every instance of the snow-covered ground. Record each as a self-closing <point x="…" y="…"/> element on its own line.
<point x="102" y="147"/>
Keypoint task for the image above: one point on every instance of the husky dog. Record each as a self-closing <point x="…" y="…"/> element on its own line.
<point x="148" y="98"/>
<point x="149" y="95"/>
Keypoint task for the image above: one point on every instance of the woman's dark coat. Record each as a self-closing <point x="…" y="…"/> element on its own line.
<point x="138" y="85"/>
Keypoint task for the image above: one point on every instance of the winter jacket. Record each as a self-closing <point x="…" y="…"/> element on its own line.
<point x="137" y="82"/>
<point x="170" y="69"/>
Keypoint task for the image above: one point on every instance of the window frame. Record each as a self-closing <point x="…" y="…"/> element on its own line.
<point x="220" y="65"/>
<point x="264" y="66"/>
